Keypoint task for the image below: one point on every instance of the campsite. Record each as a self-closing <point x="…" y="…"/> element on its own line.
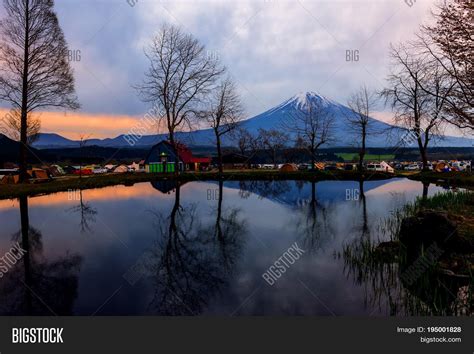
<point x="157" y="165"/>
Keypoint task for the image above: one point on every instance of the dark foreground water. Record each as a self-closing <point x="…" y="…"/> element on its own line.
<point x="154" y="249"/>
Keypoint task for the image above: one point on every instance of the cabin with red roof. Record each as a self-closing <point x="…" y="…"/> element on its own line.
<point x="163" y="158"/>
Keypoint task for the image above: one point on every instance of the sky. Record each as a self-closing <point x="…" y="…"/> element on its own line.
<point x="273" y="49"/>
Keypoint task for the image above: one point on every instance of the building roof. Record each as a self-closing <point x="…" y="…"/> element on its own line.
<point x="185" y="154"/>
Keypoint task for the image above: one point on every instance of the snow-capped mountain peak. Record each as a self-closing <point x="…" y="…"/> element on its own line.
<point x="302" y="100"/>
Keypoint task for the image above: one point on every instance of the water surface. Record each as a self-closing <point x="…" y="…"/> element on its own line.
<point x="199" y="249"/>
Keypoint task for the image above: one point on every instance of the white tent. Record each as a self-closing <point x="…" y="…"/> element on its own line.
<point x="387" y="167"/>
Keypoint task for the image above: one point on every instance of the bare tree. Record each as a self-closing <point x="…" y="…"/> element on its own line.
<point x="361" y="103"/>
<point x="415" y="110"/>
<point x="271" y="141"/>
<point x="313" y="126"/>
<point x="243" y="139"/>
<point x="224" y="114"/>
<point x="179" y="77"/>
<point x="247" y="144"/>
<point x="12" y="126"/>
<point x="450" y="44"/>
<point x="34" y="69"/>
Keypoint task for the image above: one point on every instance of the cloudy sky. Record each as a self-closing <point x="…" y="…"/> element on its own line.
<point x="274" y="49"/>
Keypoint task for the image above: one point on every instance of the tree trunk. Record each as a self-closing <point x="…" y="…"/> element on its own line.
<point x="176" y="152"/>
<point x="23" y="150"/>
<point x="421" y="146"/>
<point x="24" y="102"/>
<point x="219" y="212"/>
<point x="425" y="150"/>
<point x="362" y="150"/>
<point x="365" y="224"/>
<point x="219" y="153"/>
<point x="424" y="158"/>
<point x="313" y="157"/>
<point x="173" y="229"/>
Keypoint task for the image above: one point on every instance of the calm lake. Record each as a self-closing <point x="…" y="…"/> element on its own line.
<point x="201" y="249"/>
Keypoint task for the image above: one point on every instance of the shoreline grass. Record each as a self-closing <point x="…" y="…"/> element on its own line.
<point x="382" y="263"/>
<point x="455" y="179"/>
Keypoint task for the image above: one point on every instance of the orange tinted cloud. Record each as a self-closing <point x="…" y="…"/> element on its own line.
<point x="97" y="126"/>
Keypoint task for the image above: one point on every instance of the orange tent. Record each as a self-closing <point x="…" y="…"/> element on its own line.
<point x="10" y="179"/>
<point x="319" y="165"/>
<point x="289" y="167"/>
<point x="38" y="173"/>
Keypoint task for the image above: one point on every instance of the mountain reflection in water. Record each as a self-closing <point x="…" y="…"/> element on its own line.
<point x="200" y="248"/>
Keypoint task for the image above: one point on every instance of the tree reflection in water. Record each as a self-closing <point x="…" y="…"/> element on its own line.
<point x="191" y="262"/>
<point x="35" y="285"/>
<point x="379" y="267"/>
<point x="228" y="230"/>
<point x="312" y="224"/>
<point x="86" y="212"/>
<point x="365" y="219"/>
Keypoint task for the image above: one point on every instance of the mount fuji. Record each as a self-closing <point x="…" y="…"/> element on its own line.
<point x="272" y="119"/>
<point x="276" y="117"/>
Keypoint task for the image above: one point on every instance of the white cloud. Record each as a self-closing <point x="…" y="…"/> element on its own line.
<point x="278" y="48"/>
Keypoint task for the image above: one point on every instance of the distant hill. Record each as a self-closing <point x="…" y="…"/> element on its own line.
<point x="10" y="152"/>
<point x="273" y="118"/>
<point x="51" y="140"/>
<point x="8" y="146"/>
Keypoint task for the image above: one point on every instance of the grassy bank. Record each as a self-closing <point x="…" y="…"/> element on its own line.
<point x="423" y="259"/>
<point x="99" y="181"/>
<point x="458" y="206"/>
<point x="455" y="179"/>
